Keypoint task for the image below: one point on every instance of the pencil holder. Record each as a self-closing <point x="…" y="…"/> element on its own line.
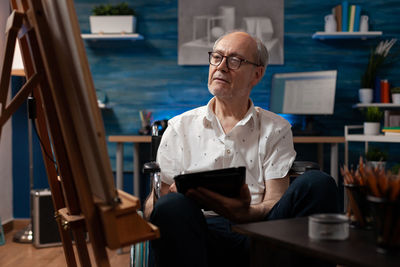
<point x="386" y="216"/>
<point x="358" y="210"/>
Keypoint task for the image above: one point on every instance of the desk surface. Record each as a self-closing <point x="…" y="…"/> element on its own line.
<point x="292" y="234"/>
<point x="130" y="138"/>
<point x="318" y="139"/>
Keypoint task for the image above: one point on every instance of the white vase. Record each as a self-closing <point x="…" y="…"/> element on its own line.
<point x="365" y="95"/>
<point x="112" y="24"/>
<point x="396" y="98"/>
<point x="364" y="23"/>
<point x="372" y="128"/>
<point x="330" y="23"/>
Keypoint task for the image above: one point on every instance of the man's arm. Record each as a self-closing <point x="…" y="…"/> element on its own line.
<point x="239" y="209"/>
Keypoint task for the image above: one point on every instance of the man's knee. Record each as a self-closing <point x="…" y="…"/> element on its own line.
<point x="317" y="179"/>
<point x="174" y="206"/>
<point x="322" y="188"/>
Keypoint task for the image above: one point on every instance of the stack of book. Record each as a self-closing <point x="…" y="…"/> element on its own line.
<point x="391" y="131"/>
<point x="347" y="17"/>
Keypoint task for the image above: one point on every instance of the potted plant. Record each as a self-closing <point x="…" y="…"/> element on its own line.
<point x="395" y="169"/>
<point x="395" y="95"/>
<point x="375" y="62"/>
<point x="373" y="117"/>
<point x="118" y="18"/>
<point x="376" y="158"/>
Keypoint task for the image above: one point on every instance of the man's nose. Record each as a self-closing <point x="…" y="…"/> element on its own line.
<point x="223" y="65"/>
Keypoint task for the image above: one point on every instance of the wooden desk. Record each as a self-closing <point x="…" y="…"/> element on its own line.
<point x="136" y="140"/>
<point x="292" y="234"/>
<point x="321" y="140"/>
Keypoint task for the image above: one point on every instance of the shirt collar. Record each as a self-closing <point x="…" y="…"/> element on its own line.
<point x="251" y="113"/>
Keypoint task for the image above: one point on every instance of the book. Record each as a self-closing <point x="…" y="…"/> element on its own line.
<point x="377" y="90"/>
<point x="357" y="17"/>
<point x="391" y="118"/>
<point x="337" y="13"/>
<point x="391" y="131"/>
<point x="352" y="12"/>
<point x="345" y="16"/>
<point x="394" y="119"/>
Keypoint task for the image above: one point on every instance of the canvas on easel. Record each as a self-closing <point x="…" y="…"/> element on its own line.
<point x="71" y="129"/>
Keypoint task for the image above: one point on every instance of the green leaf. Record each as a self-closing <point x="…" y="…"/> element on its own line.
<point x="113" y="10"/>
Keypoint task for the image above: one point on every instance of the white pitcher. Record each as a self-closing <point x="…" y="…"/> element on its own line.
<point x="330" y="23"/>
<point x="364" y="23"/>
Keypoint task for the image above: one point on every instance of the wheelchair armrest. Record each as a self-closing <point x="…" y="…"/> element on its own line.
<point x="299" y="167"/>
<point x="151" y="167"/>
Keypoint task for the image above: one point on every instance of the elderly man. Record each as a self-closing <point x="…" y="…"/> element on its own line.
<point x="229" y="132"/>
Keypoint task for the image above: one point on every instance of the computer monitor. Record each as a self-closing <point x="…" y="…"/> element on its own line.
<point x="304" y="93"/>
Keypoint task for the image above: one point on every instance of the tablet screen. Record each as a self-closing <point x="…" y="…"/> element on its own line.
<point x="226" y="181"/>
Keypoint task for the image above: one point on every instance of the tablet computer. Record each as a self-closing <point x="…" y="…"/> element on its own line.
<point x="226" y="181"/>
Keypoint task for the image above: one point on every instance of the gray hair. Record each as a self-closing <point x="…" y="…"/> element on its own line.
<point x="261" y="53"/>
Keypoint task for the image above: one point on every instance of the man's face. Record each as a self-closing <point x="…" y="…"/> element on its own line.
<point x="234" y="84"/>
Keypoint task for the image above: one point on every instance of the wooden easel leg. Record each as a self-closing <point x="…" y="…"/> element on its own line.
<point x="67" y="243"/>
<point x="14" y="23"/>
<point x="19" y="99"/>
<point x="80" y="241"/>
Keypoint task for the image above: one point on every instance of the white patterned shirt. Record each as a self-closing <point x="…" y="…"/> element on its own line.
<point x="195" y="141"/>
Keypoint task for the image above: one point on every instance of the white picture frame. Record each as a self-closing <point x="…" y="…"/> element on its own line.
<point x="200" y="23"/>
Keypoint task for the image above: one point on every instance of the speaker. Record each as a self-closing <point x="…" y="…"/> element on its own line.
<point x="44" y="225"/>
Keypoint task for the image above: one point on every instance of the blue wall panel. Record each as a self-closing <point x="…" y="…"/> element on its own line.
<point x="145" y="75"/>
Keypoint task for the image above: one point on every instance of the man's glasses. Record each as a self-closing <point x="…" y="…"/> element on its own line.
<point x="232" y="62"/>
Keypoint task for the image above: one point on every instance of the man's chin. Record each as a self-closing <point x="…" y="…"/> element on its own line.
<point x="219" y="92"/>
<point x="222" y="96"/>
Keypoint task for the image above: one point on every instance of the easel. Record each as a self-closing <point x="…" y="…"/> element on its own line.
<point x="70" y="127"/>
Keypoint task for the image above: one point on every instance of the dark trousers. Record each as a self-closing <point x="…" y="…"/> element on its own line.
<point x="190" y="239"/>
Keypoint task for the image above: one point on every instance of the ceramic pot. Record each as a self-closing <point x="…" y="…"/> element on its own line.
<point x="372" y="128"/>
<point x="366" y="95"/>
<point x="112" y="24"/>
<point x="396" y="98"/>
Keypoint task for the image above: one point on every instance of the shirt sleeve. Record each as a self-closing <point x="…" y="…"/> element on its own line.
<point x="169" y="155"/>
<point x="280" y="154"/>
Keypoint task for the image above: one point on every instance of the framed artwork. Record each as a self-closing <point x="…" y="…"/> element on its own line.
<point x="201" y="23"/>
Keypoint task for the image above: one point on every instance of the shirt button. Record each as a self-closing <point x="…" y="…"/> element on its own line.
<point x="228" y="151"/>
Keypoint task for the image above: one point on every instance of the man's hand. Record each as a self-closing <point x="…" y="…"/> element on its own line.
<point x="172" y="188"/>
<point x="234" y="209"/>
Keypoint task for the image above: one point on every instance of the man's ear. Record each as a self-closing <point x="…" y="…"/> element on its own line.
<point x="258" y="74"/>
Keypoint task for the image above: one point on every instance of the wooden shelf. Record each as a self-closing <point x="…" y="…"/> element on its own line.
<point x="373" y="138"/>
<point x="346" y="35"/>
<point x="367" y="138"/>
<point x="117" y="36"/>
<point x="381" y="105"/>
<point x="358" y="137"/>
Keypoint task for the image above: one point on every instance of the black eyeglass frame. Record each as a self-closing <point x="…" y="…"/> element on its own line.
<point x="241" y="60"/>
